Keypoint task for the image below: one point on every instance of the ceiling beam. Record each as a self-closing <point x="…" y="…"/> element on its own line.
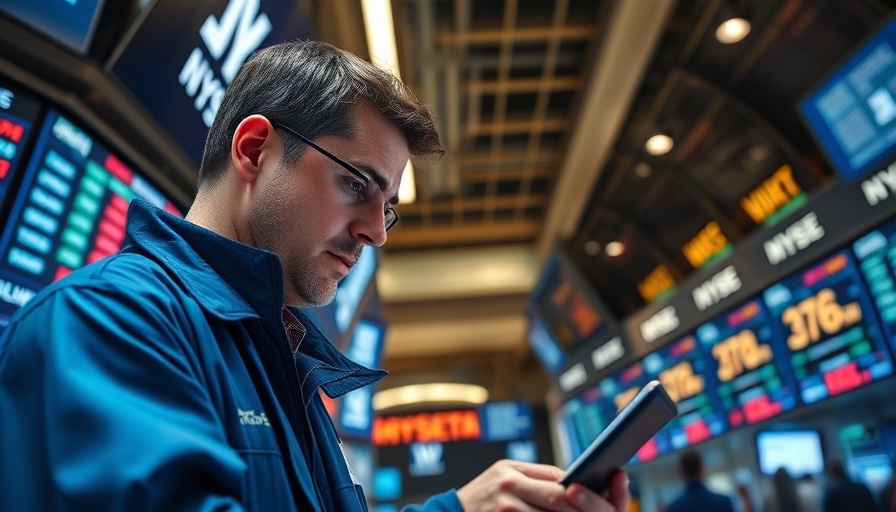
<point x="494" y="233"/>
<point x="629" y="43"/>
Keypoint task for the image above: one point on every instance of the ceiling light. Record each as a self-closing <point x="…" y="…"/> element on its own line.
<point x="733" y="30"/>
<point x="429" y="393"/>
<point x="407" y="191"/>
<point x="659" y="144"/>
<point x="643" y="170"/>
<point x="614" y="249"/>
<point x="592" y="247"/>
<point x="380" y="34"/>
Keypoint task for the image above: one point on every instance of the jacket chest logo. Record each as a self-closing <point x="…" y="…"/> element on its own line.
<point x="250" y="418"/>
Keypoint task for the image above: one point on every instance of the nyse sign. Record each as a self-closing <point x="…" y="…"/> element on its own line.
<point x="242" y="29"/>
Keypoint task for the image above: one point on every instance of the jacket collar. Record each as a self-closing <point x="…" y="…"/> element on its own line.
<point x="234" y="281"/>
<point x="229" y="279"/>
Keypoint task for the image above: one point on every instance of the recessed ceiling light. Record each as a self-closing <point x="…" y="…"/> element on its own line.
<point x="614" y="249"/>
<point x="659" y="144"/>
<point x="592" y="247"/>
<point x="643" y="170"/>
<point x="733" y="30"/>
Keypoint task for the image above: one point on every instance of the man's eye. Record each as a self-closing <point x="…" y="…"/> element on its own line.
<point x="358" y="188"/>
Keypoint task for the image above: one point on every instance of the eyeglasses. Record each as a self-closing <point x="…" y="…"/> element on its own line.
<point x="389" y="215"/>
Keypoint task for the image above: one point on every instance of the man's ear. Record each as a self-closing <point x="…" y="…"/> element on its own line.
<point x="251" y="144"/>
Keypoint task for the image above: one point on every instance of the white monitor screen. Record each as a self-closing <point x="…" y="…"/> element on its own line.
<point x="798" y="451"/>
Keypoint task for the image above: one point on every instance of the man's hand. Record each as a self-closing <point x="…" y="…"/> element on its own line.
<point x="520" y="486"/>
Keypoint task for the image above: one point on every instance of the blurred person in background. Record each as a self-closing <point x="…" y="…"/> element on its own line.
<point x="809" y="493"/>
<point x="841" y="494"/>
<point x="782" y="495"/>
<point x="696" y="496"/>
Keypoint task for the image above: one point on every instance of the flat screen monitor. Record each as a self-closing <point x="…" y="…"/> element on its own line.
<point x="798" y="451"/>
<point x="852" y="113"/>
<point x="70" y="22"/>
<point x="752" y="384"/>
<point x="824" y="319"/>
<point x="69" y="211"/>
<point x="568" y="308"/>
<point x="18" y="114"/>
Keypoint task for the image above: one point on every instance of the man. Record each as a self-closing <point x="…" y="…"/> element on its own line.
<point x="178" y="375"/>
<point x="696" y="496"/>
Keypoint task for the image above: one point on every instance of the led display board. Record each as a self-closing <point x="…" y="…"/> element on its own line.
<point x="355" y="417"/>
<point x="18" y="113"/>
<point x="70" y="210"/>
<point x="752" y="384"/>
<point x="876" y="254"/>
<point x="70" y="22"/>
<point x="852" y="113"/>
<point x="831" y="339"/>
<point x="420" y="454"/>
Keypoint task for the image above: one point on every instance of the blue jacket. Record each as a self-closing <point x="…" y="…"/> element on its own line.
<point x="162" y="378"/>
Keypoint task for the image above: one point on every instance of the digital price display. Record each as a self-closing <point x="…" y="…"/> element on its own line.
<point x="70" y="211"/>
<point x="876" y="253"/>
<point x="831" y="339"/>
<point x="751" y="383"/>
<point x="687" y="376"/>
<point x="18" y="112"/>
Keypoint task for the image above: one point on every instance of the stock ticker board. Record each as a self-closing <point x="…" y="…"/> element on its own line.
<point x="70" y="211"/>
<point x="826" y="328"/>
<point x="752" y="384"/>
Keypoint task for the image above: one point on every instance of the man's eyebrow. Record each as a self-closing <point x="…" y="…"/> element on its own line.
<point x="380" y="181"/>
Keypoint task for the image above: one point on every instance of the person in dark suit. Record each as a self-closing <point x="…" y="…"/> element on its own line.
<point x="696" y="496"/>
<point x="843" y="495"/>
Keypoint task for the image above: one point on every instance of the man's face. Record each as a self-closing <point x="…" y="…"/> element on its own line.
<point x="311" y="215"/>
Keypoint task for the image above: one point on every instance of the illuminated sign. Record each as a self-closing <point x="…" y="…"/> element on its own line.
<point x="708" y="245"/>
<point x="773" y="194"/>
<point x="204" y="43"/>
<point x="716" y="288"/>
<point x="608" y="353"/>
<point x="573" y="377"/>
<point x="880" y="186"/>
<point x="658" y="283"/>
<point x="427" y="427"/>
<point x="662" y="322"/>
<point x="795" y="238"/>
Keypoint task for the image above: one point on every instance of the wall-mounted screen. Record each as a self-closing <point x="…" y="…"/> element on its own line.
<point x="876" y="254"/>
<point x="852" y="113"/>
<point x="70" y="22"/>
<point x="356" y="407"/>
<point x="753" y="385"/>
<point x="69" y="211"/>
<point x="798" y="451"/>
<point x="18" y="114"/>
<point x="568" y="308"/>
<point x="832" y="341"/>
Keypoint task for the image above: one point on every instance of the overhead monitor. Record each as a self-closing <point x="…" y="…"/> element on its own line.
<point x="852" y="113"/>
<point x="69" y="22"/>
